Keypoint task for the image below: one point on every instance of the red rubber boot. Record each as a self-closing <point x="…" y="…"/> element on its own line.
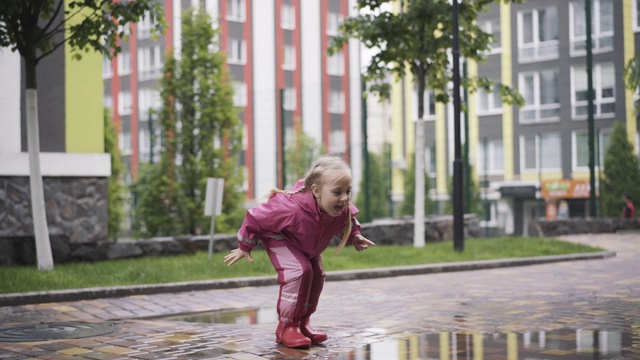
<point x="289" y="335"/>
<point x="316" y="337"/>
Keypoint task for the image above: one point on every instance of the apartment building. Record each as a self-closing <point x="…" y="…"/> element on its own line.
<point x="533" y="157"/>
<point x="282" y="75"/>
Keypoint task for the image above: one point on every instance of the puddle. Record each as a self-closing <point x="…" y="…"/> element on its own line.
<point x="63" y="330"/>
<point x="251" y="316"/>
<point x="380" y="344"/>
<point x="557" y="344"/>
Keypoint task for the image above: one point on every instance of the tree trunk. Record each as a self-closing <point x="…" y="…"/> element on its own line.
<point x="43" y="246"/>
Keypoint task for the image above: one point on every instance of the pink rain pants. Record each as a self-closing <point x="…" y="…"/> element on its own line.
<point x="301" y="280"/>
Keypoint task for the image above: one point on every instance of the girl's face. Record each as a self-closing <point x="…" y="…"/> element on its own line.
<point x="333" y="191"/>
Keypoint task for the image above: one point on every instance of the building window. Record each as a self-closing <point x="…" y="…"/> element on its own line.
<point x="490" y="157"/>
<point x="144" y="26"/>
<point x="430" y="160"/>
<point x="288" y="17"/>
<point x="337" y="141"/>
<point x="149" y="62"/>
<point x="143" y="145"/>
<point x="538" y="34"/>
<point x="333" y="23"/>
<point x="124" y="142"/>
<point x="124" y="103"/>
<point x="290" y="99"/>
<point x="124" y="63"/>
<point x="148" y="99"/>
<point x="540" y="152"/>
<point x="289" y="61"/>
<point x="580" y="148"/>
<point x="492" y="27"/>
<point x="489" y="102"/>
<point x="235" y="10"/>
<point x="604" y="83"/>
<point x="335" y="64"/>
<point x="636" y="15"/>
<point x="541" y="95"/>
<point x="107" y="72"/>
<point x="239" y="94"/>
<point x="336" y="102"/>
<point x="601" y="29"/>
<point x="429" y="105"/>
<point x="237" y="51"/>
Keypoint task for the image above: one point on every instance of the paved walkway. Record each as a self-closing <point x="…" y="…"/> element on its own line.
<point x="571" y="310"/>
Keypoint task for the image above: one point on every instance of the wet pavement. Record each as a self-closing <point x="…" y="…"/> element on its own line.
<point x="586" y="309"/>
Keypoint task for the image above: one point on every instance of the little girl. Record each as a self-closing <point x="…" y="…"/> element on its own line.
<point x="295" y="227"/>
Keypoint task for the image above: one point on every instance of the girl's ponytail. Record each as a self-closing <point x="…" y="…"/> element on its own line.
<point x="275" y="191"/>
<point x="347" y="231"/>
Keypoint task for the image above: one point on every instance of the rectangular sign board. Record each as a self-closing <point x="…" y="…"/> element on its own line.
<point x="213" y="199"/>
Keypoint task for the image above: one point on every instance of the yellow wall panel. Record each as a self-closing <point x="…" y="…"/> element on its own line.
<point x="84" y="93"/>
<point x="629" y="52"/>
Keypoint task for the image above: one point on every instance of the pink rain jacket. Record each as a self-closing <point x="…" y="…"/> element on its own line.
<point x="296" y="218"/>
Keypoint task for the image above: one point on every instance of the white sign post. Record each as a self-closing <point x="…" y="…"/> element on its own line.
<point x="213" y="204"/>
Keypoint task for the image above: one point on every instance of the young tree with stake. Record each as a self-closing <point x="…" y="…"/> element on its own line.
<point x="37" y="28"/>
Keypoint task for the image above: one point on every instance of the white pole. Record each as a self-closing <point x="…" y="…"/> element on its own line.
<point x="213" y="225"/>
<point x="418" y="221"/>
<point x="213" y="204"/>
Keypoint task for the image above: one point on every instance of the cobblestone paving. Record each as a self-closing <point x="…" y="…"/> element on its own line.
<point x="571" y="310"/>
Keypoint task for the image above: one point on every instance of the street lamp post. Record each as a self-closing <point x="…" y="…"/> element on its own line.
<point x="458" y="210"/>
<point x="592" y="173"/>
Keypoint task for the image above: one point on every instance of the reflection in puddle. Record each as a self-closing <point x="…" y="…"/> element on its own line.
<point x="249" y="316"/>
<point x="556" y="344"/>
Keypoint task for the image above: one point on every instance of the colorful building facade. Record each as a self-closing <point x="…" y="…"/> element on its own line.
<point x="282" y="75"/>
<point x="539" y="49"/>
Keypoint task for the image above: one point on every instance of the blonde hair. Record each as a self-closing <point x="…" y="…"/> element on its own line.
<point x="313" y="176"/>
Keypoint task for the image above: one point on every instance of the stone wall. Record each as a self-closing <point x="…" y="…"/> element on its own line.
<point x="21" y="250"/>
<point x="76" y="208"/>
<point x="543" y="227"/>
<point x="400" y="231"/>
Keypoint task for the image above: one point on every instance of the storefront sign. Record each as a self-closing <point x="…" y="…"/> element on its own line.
<point x="566" y="189"/>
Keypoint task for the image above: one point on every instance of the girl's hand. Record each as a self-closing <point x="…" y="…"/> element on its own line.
<point x="236" y="255"/>
<point x="362" y="243"/>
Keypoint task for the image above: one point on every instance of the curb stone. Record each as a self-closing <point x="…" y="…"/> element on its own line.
<point x="38" y="297"/>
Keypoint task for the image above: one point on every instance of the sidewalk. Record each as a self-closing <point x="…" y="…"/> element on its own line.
<point x="122" y="291"/>
<point x="499" y="306"/>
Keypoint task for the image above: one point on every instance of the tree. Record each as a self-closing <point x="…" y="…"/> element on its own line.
<point x="621" y="172"/>
<point x="408" y="203"/>
<point x="379" y="188"/>
<point x="202" y="138"/>
<point x="115" y="199"/>
<point x="153" y="213"/>
<point x="418" y="39"/>
<point x="37" y="28"/>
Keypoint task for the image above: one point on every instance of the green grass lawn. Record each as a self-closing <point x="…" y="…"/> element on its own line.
<point x="154" y="270"/>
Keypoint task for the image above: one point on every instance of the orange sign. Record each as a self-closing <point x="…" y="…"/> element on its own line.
<point x="566" y="189"/>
